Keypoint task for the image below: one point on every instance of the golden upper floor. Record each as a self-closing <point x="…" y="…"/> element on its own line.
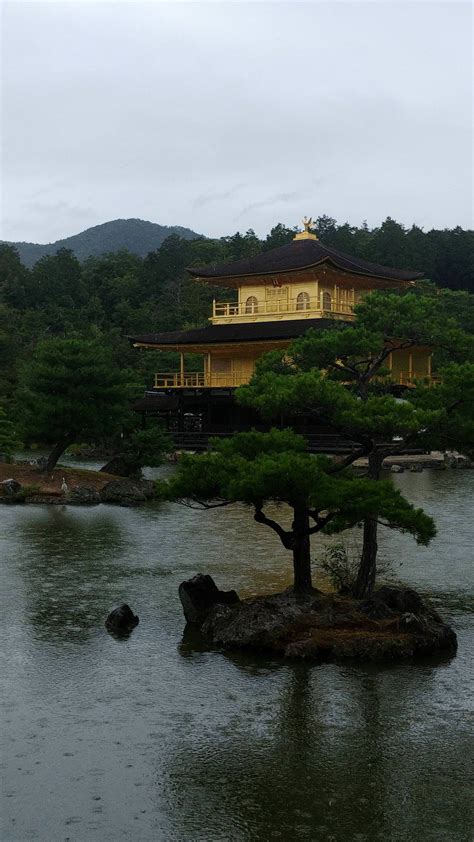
<point x="303" y="279"/>
<point x="310" y="295"/>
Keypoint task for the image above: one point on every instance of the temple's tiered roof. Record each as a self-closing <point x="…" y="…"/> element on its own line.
<point x="300" y="254"/>
<point x="238" y="333"/>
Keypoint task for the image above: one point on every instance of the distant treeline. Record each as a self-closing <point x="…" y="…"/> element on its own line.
<point x="120" y="293"/>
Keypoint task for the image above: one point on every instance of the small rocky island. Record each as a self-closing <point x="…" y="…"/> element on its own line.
<point x="25" y="483"/>
<point x="394" y="624"/>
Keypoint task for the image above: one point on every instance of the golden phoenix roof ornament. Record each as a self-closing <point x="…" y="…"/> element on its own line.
<point x="307" y="233"/>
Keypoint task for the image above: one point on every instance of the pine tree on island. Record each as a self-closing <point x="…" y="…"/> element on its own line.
<point x="340" y="376"/>
<point x="259" y="469"/>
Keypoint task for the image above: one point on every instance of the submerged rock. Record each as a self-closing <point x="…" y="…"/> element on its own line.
<point x="395" y="623"/>
<point x="121" y="620"/>
<point x="199" y="595"/>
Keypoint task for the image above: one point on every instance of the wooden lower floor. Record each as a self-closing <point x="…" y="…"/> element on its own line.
<point x="223" y="368"/>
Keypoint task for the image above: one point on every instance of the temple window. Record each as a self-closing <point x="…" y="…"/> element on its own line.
<point x="327" y="301"/>
<point x="302" y="301"/>
<point x="251" y="305"/>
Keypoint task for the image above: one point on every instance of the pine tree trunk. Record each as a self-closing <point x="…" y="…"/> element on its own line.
<point x="301" y="552"/>
<point x="368" y="562"/>
<point x="53" y="457"/>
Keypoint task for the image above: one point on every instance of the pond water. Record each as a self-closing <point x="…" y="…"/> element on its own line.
<point x="148" y="738"/>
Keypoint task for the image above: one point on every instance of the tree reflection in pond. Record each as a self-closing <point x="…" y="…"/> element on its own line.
<point x="72" y="570"/>
<point x="333" y="759"/>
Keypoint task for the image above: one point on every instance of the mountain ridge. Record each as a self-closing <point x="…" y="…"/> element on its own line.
<point x="139" y="236"/>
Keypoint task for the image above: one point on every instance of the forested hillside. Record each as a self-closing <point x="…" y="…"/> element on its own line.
<point x="136" y="235"/>
<point x="120" y="293"/>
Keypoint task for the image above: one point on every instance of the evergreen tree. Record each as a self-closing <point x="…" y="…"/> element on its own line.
<point x="73" y="391"/>
<point x="280" y="235"/>
<point x="16" y="287"/>
<point x="326" y="229"/>
<point x="261" y="468"/>
<point x="242" y="245"/>
<point x="8" y="438"/>
<point x="387" y="245"/>
<point x="340" y="377"/>
<point x="137" y="449"/>
<point x="57" y="281"/>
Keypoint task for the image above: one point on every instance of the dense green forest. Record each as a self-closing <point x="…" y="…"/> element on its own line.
<point x="109" y="296"/>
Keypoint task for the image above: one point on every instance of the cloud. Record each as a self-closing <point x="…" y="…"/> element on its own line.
<point x="206" y="114"/>
<point x="206" y="198"/>
<point x="271" y="201"/>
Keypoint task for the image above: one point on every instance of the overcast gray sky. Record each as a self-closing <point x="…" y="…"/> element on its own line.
<point x="225" y="116"/>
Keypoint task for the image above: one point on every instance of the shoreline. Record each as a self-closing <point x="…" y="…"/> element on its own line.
<point x="87" y="486"/>
<point x="436" y="460"/>
<point x="22" y="483"/>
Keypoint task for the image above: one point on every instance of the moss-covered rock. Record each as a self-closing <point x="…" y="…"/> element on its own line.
<point x="328" y="627"/>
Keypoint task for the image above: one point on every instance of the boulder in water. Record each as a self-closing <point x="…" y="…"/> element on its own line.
<point x="121" y="620"/>
<point x="10" y="487"/>
<point x="199" y="594"/>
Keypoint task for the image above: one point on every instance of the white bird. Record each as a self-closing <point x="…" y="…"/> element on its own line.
<point x="64" y="487"/>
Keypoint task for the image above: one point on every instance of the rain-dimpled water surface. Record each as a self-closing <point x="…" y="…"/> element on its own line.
<point x="151" y="739"/>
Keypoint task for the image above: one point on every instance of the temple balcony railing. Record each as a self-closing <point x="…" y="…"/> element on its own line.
<point x="202" y="380"/>
<point x="412" y="378"/>
<point x="199" y="380"/>
<point x="317" y="307"/>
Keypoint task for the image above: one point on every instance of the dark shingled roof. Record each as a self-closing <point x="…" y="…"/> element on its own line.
<point x="247" y="332"/>
<point x="300" y="254"/>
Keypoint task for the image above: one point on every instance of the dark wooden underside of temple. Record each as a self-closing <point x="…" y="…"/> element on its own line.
<point x="193" y="416"/>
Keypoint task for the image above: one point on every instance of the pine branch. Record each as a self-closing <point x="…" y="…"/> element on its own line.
<point x="286" y="538"/>
<point x="350" y="459"/>
<point x="320" y="523"/>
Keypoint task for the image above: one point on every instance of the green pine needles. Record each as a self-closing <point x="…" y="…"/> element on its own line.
<point x="74" y="391"/>
<point x="261" y="468"/>
<point x="9" y="441"/>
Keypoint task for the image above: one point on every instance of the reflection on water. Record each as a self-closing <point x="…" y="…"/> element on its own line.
<point x="152" y="737"/>
<point x="67" y="564"/>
